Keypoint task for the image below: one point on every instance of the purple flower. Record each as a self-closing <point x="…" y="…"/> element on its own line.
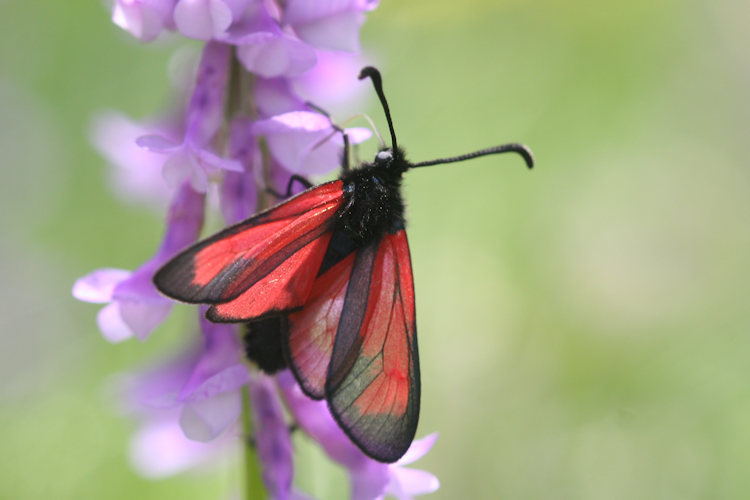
<point x="159" y="448"/>
<point x="208" y="19"/>
<point x="368" y="478"/>
<point x="144" y="19"/>
<point x="271" y="435"/>
<point x="265" y="49"/>
<point x="193" y="158"/>
<point x="210" y="397"/>
<point x="187" y="404"/>
<point x="201" y="384"/>
<point x="275" y="96"/>
<point x="239" y="190"/>
<point x="405" y="483"/>
<point x="137" y="175"/>
<point x="329" y="85"/>
<point x="304" y="142"/>
<point x="328" y="24"/>
<point x="134" y="307"/>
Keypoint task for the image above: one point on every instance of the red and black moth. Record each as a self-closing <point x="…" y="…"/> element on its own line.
<point x="324" y="281"/>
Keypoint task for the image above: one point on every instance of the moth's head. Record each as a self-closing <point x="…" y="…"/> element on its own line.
<point x="384" y="157"/>
<point x="391" y="160"/>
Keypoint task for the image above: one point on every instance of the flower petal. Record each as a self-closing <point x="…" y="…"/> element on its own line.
<point x="227" y="380"/>
<point x="418" y="449"/>
<point x="270" y="55"/>
<point x="274" y="96"/>
<point x="369" y="480"/>
<point x="327" y="24"/>
<point x="137" y="175"/>
<point x="203" y="420"/>
<point x="340" y="32"/>
<point x="111" y="324"/>
<point x="156" y="143"/>
<point x="412" y="482"/>
<point x="202" y="19"/>
<point x="303" y="142"/>
<point x="98" y="286"/>
<point x="329" y="83"/>
<point x="160" y="449"/>
<point x="358" y="134"/>
<point x="205" y="112"/>
<point x="272" y="437"/>
<point x="184" y="222"/>
<point x="209" y="160"/>
<point x="144" y="19"/>
<point x="142" y="318"/>
<point x="239" y="191"/>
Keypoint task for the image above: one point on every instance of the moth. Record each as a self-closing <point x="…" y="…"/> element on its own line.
<point x="325" y="282"/>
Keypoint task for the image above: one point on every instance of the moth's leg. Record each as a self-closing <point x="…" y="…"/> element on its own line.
<point x="294" y="178"/>
<point x="337" y="128"/>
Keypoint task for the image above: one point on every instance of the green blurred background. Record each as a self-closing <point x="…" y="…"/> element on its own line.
<point x="583" y="327"/>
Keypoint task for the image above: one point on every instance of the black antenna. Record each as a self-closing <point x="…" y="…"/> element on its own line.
<point x="377" y="81"/>
<point x="513" y="147"/>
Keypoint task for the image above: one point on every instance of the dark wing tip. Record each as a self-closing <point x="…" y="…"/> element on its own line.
<point x="175" y="280"/>
<point x="386" y="447"/>
<point x="169" y="280"/>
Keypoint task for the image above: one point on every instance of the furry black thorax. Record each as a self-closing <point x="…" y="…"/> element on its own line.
<point x="373" y="205"/>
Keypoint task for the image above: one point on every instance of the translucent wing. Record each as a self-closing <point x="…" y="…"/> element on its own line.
<point x="312" y="330"/>
<point x="355" y="344"/>
<point x="262" y="265"/>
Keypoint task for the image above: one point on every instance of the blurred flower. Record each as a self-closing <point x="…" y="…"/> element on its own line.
<point x="272" y="437"/>
<point x="210" y="398"/>
<point x="329" y="82"/>
<point x="305" y="142"/>
<point x="275" y="96"/>
<point x="368" y="478"/>
<point x="193" y="158"/>
<point x="188" y="406"/>
<point x="207" y="19"/>
<point x="328" y="24"/>
<point x="159" y="448"/>
<point x="137" y="176"/>
<point x="267" y="50"/>
<point x="135" y="307"/>
<point x="405" y="483"/>
<point x="239" y="191"/>
<point x="186" y="402"/>
<point x="144" y="19"/>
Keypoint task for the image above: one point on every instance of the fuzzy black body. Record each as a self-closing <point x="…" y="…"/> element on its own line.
<point x="373" y="207"/>
<point x="262" y="341"/>
<point x="372" y="198"/>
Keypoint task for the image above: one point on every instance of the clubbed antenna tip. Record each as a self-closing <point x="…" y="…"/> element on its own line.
<point x="374" y="75"/>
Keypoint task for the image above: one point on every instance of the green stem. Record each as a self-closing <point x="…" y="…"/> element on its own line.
<point x="239" y="103"/>
<point x="254" y="487"/>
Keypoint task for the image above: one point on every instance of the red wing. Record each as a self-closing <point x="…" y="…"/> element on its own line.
<point x="312" y="330"/>
<point x="271" y="253"/>
<point x="283" y="289"/>
<point x="372" y="385"/>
